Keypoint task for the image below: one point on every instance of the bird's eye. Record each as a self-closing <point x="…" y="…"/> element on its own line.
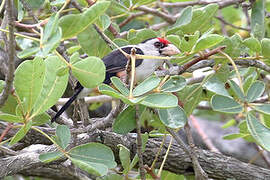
<point x="159" y="45"/>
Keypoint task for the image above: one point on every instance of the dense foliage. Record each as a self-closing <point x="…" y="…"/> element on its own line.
<point x="232" y="41"/>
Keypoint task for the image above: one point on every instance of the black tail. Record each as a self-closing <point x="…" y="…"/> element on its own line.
<point x="68" y="103"/>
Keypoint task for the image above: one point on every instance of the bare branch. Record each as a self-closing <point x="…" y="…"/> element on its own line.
<point x="170" y="19"/>
<point x="221" y="3"/>
<point x="11" y="52"/>
<point x="217" y="166"/>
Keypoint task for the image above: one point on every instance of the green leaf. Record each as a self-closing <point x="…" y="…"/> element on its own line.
<point x="160" y="100"/>
<point x="120" y="42"/>
<point x="207" y="42"/>
<point x="50" y="28"/>
<point x="21" y="133"/>
<point x="52" y="43"/>
<point x="225" y="104"/>
<point x="184" y="18"/>
<point x="188" y="41"/>
<point x="95" y="158"/>
<point x="20" y="11"/>
<point x="234" y="136"/>
<point x="243" y="129"/>
<point x="111" y="177"/>
<point x="175" y="83"/>
<point x="90" y="71"/>
<point x="263" y="108"/>
<point x="191" y="96"/>
<point x="88" y="37"/>
<point x="11" y="118"/>
<point x="103" y="22"/>
<point x="9" y="105"/>
<point x="91" y="167"/>
<point x="236" y="43"/>
<point x="201" y="19"/>
<point x="105" y="89"/>
<point x="28" y="81"/>
<point x="257" y="19"/>
<point x="174" y="39"/>
<point x="53" y="85"/>
<point x="124" y="155"/>
<point x="236" y="89"/>
<point x="214" y="85"/>
<point x="50" y="156"/>
<point x="260" y="133"/>
<point x="253" y="44"/>
<point x="266" y="47"/>
<point x="63" y="135"/>
<point x="230" y="123"/>
<point x="146" y="86"/>
<point x="73" y="24"/>
<point x="173" y="117"/>
<point x="125" y="121"/>
<point x="255" y="91"/>
<point x="120" y="86"/>
<point x="249" y="81"/>
<point x="142" y="35"/>
<point x="41" y="119"/>
<point x="28" y="52"/>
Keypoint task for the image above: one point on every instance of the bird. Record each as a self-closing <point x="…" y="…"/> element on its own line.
<point x="115" y="63"/>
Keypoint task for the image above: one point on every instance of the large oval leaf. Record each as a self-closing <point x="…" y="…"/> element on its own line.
<point x="95" y="158"/>
<point x="75" y="23"/>
<point x="147" y="85"/>
<point x="264" y="108"/>
<point x="11" y="118"/>
<point x="173" y="117"/>
<point x="215" y="85"/>
<point x="53" y="87"/>
<point x="28" y="81"/>
<point x="207" y="42"/>
<point x="92" y="43"/>
<point x="175" y="83"/>
<point x="225" y="104"/>
<point x="258" y="131"/>
<point x="21" y="133"/>
<point x="90" y="71"/>
<point x="160" y="100"/>
<point x="255" y="91"/>
<point x="125" y="121"/>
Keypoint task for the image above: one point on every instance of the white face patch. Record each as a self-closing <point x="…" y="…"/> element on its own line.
<point x="148" y="66"/>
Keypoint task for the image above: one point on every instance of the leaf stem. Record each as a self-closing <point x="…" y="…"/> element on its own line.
<point x="236" y="69"/>
<point x="159" y="150"/>
<point x="21" y="35"/>
<point x="133" y="60"/>
<point x="165" y="157"/>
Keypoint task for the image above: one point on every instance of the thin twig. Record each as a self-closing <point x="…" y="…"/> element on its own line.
<point x="232" y="25"/>
<point x="204" y="136"/>
<point x="221" y="3"/>
<point x="199" y="172"/>
<point x="139" y="142"/>
<point x="168" y="18"/>
<point x="4" y="133"/>
<point x="11" y="53"/>
<point x="165" y="157"/>
<point x="131" y="17"/>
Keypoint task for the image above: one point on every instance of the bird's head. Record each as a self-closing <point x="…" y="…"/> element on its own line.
<point x="161" y="45"/>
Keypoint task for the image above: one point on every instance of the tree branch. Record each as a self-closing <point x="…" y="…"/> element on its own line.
<point x="217" y="166"/>
<point x="11" y="52"/>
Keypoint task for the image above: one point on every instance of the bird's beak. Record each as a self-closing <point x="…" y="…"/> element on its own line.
<point x="170" y="50"/>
